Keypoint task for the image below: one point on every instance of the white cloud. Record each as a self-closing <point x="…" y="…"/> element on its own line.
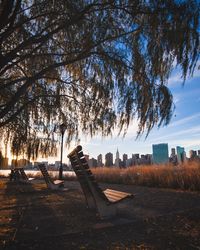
<point x="175" y="79"/>
<point x="186" y="142"/>
<point x="184" y="133"/>
<point x="132" y="130"/>
<point x="184" y="120"/>
<point x="176" y="99"/>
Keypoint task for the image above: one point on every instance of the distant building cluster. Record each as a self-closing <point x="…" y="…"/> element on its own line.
<point x="160" y="155"/>
<point x="177" y="156"/>
<point x="109" y="161"/>
<point x="4" y="164"/>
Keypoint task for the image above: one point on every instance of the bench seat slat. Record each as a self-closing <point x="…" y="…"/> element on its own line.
<point x="52" y="184"/>
<point x="30" y="179"/>
<point x="111" y="199"/>
<point x="116" y="192"/>
<point x="115" y="199"/>
<point x="57" y="182"/>
<point x="116" y="196"/>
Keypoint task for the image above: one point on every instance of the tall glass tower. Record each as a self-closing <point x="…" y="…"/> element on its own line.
<point x="160" y="153"/>
<point x="180" y="154"/>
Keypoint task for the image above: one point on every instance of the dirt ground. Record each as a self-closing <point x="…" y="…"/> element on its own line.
<point x="33" y="217"/>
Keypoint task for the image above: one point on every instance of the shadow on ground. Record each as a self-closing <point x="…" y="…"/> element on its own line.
<point x="33" y="217"/>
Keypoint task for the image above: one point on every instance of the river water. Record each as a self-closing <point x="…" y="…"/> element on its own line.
<point x="6" y="172"/>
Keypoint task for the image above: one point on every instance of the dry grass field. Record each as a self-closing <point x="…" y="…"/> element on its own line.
<point x="185" y="176"/>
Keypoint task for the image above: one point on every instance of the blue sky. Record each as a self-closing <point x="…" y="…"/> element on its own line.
<point x="183" y="130"/>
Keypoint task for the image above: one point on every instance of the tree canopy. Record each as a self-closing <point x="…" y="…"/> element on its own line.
<point x="92" y="65"/>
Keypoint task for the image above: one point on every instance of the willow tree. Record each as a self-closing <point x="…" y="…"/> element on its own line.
<point x="93" y="65"/>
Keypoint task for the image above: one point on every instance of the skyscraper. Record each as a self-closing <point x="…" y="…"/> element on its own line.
<point x="173" y="157"/>
<point x="160" y="153"/>
<point x="173" y="152"/>
<point x="193" y="154"/>
<point x="117" y="160"/>
<point x="109" y="160"/>
<point x="99" y="160"/>
<point x="125" y="158"/>
<point x="92" y="163"/>
<point x="135" y="159"/>
<point x="180" y="154"/>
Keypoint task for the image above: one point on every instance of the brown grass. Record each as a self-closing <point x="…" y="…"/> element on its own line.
<point x="185" y="177"/>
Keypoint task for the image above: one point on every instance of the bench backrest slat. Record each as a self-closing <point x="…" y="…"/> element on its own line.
<point x="83" y="172"/>
<point x="15" y="174"/>
<point x="83" y="182"/>
<point x="23" y="174"/>
<point x="45" y="173"/>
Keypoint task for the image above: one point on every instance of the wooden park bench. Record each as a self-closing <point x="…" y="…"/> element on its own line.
<point x="15" y="175"/>
<point x="106" y="201"/>
<point x="19" y="175"/>
<point x="54" y="185"/>
<point x="24" y="177"/>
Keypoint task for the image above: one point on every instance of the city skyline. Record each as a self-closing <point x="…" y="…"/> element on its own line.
<point x="161" y="154"/>
<point x="51" y="160"/>
<point x="183" y="130"/>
